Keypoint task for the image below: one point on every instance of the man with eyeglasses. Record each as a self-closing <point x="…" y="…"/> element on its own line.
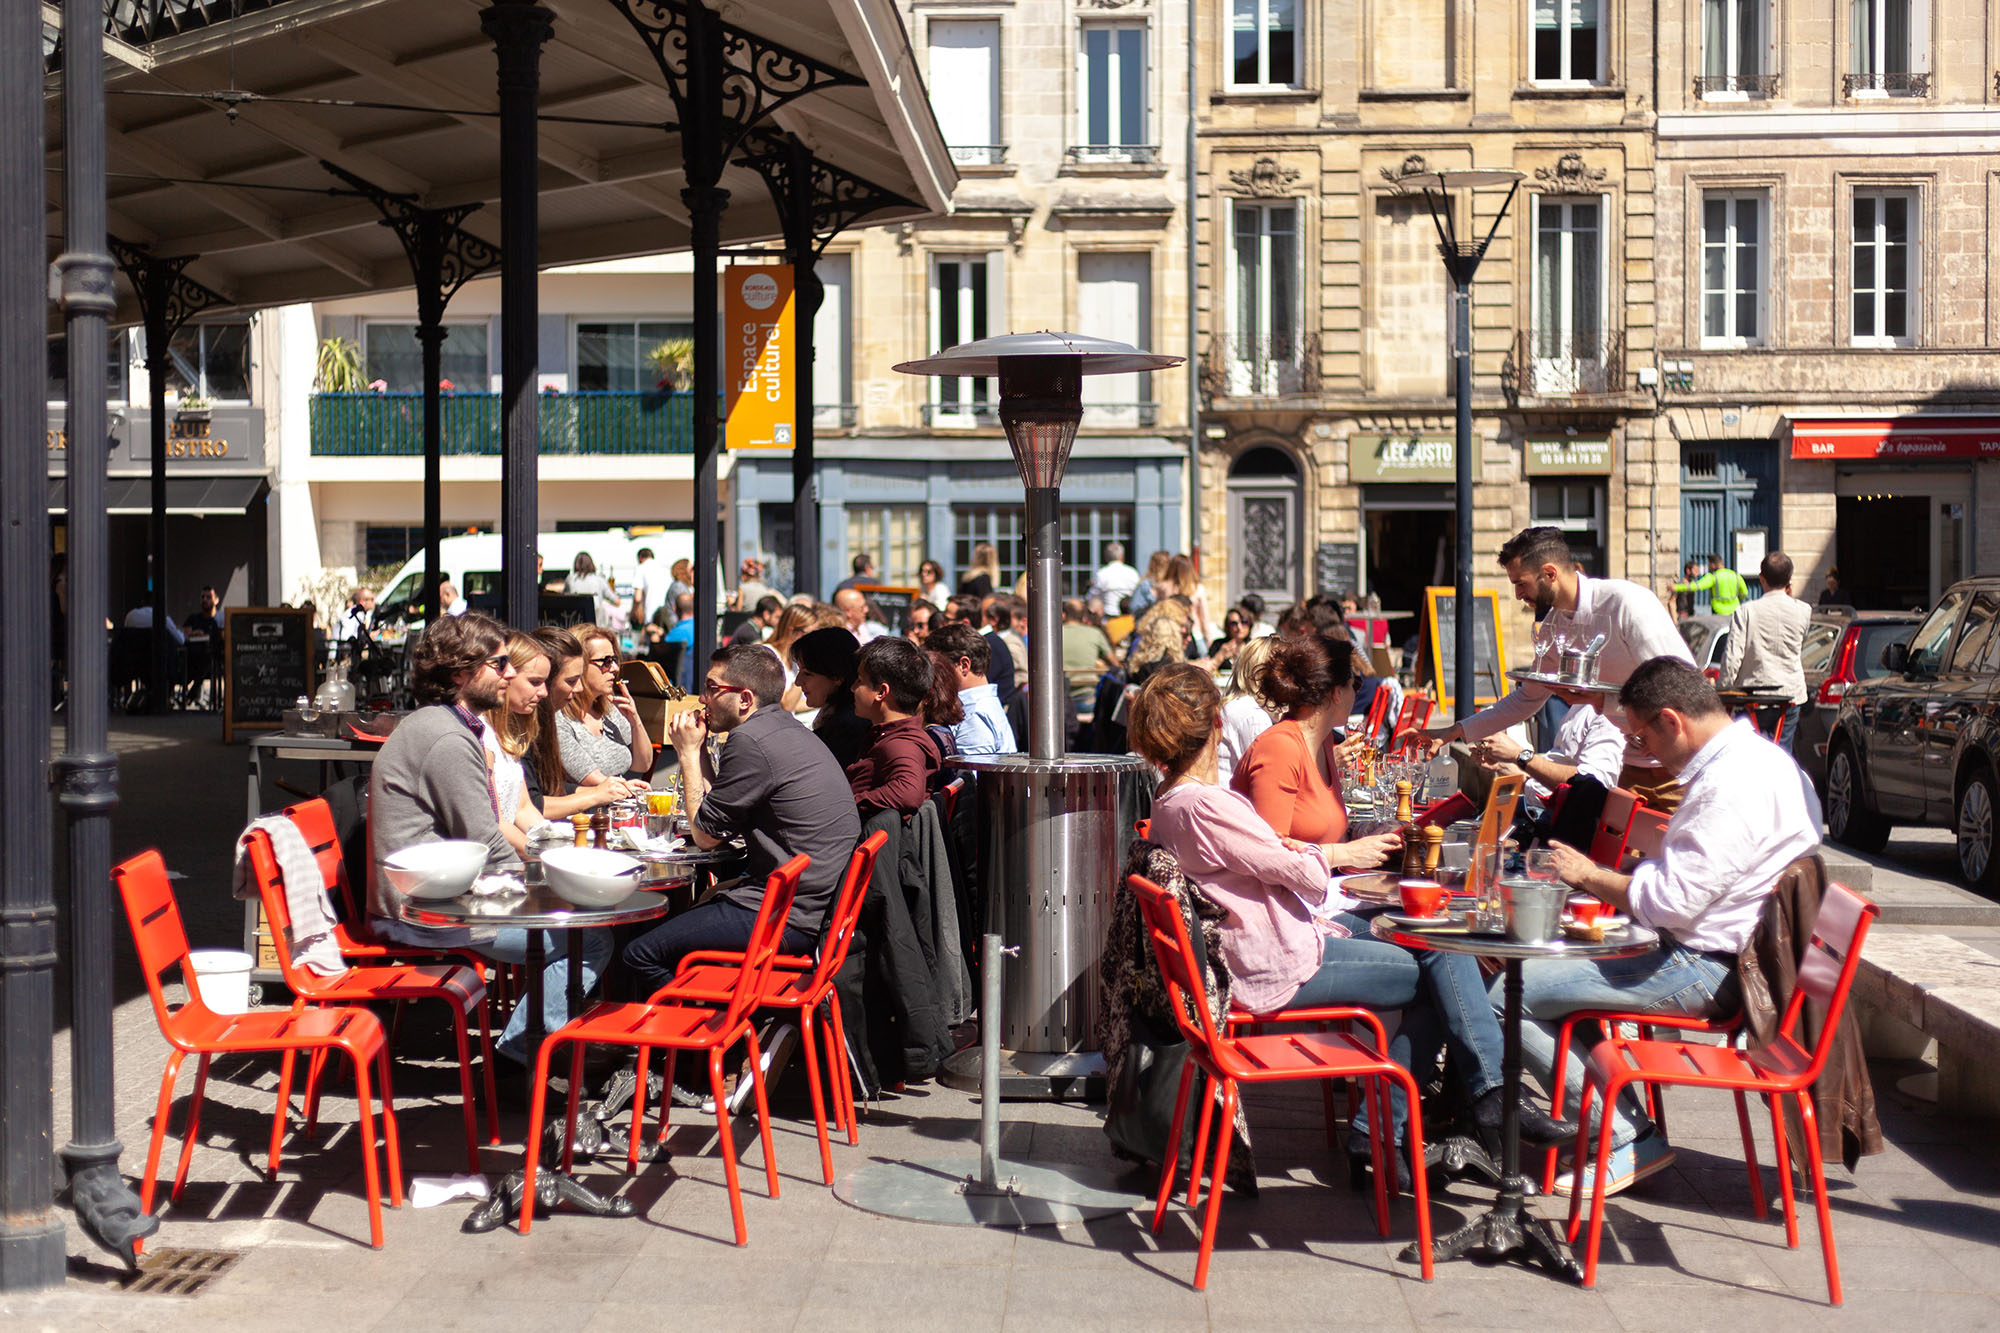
<point x="431" y="782"/>
<point x="1746" y="813"/>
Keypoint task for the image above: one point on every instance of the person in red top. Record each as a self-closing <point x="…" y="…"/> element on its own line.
<point x="1291" y="773"/>
<point x="899" y="761"/>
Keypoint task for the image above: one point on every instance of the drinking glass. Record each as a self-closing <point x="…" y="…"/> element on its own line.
<point x="1540" y="865"/>
<point x="659" y="825"/>
<point x="308" y="709"/>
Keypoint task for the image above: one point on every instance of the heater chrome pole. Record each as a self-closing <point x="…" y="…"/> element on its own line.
<point x="1047" y="737"/>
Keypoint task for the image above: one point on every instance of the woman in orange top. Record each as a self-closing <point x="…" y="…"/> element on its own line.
<point x="1291" y="773"/>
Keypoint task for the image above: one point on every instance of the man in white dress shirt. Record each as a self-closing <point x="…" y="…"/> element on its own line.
<point x="1766" y="638"/>
<point x="1635" y="626"/>
<point x="1746" y="813"/>
<point x="1586" y="742"/>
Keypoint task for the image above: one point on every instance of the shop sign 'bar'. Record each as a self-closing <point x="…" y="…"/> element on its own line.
<point x="1908" y="440"/>
<point x="760" y="346"/>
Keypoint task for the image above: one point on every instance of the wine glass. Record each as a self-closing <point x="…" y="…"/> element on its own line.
<point x="1540" y="865"/>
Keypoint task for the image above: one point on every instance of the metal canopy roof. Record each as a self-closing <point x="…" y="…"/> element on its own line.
<point x="216" y="130"/>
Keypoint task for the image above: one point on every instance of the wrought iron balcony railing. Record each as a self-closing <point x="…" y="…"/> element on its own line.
<point x="979" y="154"/>
<point x="1750" y="85"/>
<point x="1251" y="367"/>
<point x="1912" y="84"/>
<point x="1145" y="154"/>
<point x="1541" y="366"/>
<point x="392" y="424"/>
<point x="965" y="412"/>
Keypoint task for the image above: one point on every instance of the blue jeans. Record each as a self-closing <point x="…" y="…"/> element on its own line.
<point x="1442" y="996"/>
<point x="716" y="924"/>
<point x="1669" y="980"/>
<point x="511" y="946"/>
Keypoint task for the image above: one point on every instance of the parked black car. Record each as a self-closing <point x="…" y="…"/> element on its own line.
<point x="1918" y="744"/>
<point x="1842" y="646"/>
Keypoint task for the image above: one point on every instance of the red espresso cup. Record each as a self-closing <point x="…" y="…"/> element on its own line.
<point x="1423" y="897"/>
<point x="1585" y="911"/>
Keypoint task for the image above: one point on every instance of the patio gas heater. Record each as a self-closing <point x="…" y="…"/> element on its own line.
<point x="1058" y="833"/>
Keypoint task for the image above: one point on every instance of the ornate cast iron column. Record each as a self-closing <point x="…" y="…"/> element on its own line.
<point x="723" y="82"/>
<point x="168" y="299"/>
<point x="443" y="257"/>
<point x="815" y="202"/>
<point x="519" y="30"/>
<point x="87" y="771"/>
<point x="31" y="1234"/>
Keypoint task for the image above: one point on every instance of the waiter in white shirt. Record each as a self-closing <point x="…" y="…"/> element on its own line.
<point x="1746" y="813"/>
<point x="1766" y="639"/>
<point x="1635" y="626"/>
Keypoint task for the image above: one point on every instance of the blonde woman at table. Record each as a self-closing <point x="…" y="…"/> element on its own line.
<point x="1246" y="712"/>
<point x="549" y="788"/>
<point x="509" y="738"/>
<point x="599" y="731"/>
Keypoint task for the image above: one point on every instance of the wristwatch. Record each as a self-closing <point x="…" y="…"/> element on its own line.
<point x="1521" y="759"/>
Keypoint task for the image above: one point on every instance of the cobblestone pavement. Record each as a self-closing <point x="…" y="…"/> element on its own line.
<point x="1917" y="1226"/>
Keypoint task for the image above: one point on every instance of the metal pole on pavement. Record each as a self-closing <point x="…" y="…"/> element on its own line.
<point x="31" y="1234"/>
<point x="1464" y="689"/>
<point x="87" y="770"/>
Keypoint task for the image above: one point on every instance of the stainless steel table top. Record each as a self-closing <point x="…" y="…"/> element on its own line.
<point x="540" y="907"/>
<point x="1626" y="941"/>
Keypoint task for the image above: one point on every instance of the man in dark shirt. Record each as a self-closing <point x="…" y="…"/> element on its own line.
<point x="895" y="771"/>
<point x="778" y="787"/>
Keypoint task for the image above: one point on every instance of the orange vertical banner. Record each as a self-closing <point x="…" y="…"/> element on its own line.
<point x="759" y="352"/>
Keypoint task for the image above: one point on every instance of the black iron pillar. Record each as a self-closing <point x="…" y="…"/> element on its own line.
<point x="168" y="299"/>
<point x="443" y="257"/>
<point x="87" y="771"/>
<point x="31" y="1234"/>
<point x="724" y="81"/>
<point x="519" y="29"/>
<point x="815" y="202"/>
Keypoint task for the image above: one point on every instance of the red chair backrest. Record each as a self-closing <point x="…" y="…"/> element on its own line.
<point x="271" y="893"/>
<point x="1614" y="824"/>
<point x="762" y="949"/>
<point x="1144" y="828"/>
<point x="847" y="907"/>
<point x="1648" y="832"/>
<point x="1178" y="963"/>
<point x="315" y="823"/>
<point x="1378" y="713"/>
<point x="1826" y="973"/>
<point x="155" y="919"/>
<point x="951" y="791"/>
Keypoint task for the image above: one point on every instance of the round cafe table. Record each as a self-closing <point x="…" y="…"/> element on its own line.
<point x="537" y="910"/>
<point x="1503" y="1231"/>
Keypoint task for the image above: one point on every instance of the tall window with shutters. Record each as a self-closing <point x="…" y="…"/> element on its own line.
<point x="963" y="309"/>
<point x="1733" y="268"/>
<point x="1882" y="272"/>
<point x="965" y="88"/>
<point x="1114" y="300"/>
<point x="1111" y="79"/>
<point x="1733" y="55"/>
<point x="1566" y="42"/>
<point x="1266" y="355"/>
<point x="1568" y="329"/>
<point x="1264" y="44"/>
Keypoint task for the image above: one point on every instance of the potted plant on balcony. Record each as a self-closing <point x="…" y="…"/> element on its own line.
<point x="193" y="409"/>
<point x="339" y="367"/>
<point x="673" y="363"/>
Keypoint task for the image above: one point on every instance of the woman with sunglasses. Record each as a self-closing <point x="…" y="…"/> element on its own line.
<point x="599" y="731"/>
<point x="930" y="577"/>
<point x="511" y="730"/>
<point x="549" y="788"/>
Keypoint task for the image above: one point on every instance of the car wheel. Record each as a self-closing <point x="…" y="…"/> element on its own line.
<point x="1978" y="858"/>
<point x="1848" y="818"/>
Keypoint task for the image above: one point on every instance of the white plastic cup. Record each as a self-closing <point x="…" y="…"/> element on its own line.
<point x="222" y="979"/>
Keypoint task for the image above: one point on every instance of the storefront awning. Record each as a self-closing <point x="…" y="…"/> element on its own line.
<point x="195" y="496"/>
<point x="1899" y="440"/>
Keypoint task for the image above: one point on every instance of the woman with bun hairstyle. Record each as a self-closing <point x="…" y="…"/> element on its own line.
<point x="1290" y="937"/>
<point x="1291" y="773"/>
<point x="827" y="660"/>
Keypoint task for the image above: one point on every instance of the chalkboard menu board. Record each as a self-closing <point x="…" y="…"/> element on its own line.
<point x="1337" y="568"/>
<point x="1489" y="658"/>
<point x="267" y="665"/>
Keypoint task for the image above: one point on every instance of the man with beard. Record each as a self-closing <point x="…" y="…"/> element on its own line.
<point x="1636" y="629"/>
<point x="431" y="782"/>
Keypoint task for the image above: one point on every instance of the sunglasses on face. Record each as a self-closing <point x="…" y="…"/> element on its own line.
<point x="502" y="664"/>
<point x="604" y="663"/>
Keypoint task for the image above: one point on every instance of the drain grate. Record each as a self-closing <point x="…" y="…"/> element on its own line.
<point x="180" y="1272"/>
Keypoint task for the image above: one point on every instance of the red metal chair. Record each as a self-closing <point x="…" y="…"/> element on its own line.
<point x="315" y="823"/>
<point x="1614" y="825"/>
<point x="1144" y="828"/>
<point x="195" y="1029"/>
<point x="1378" y="714"/>
<point x="1782" y="1069"/>
<point x="1410" y="722"/>
<point x="951" y="791"/>
<point x="679" y="1027"/>
<point x="1230" y="1059"/>
<point x="459" y="987"/>
<point x="1647" y="834"/>
<point x="797" y="983"/>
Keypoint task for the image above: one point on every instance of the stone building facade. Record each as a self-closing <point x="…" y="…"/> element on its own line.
<point x="1067" y="120"/>
<point x="1828" y="314"/>
<point x="1327" y="455"/>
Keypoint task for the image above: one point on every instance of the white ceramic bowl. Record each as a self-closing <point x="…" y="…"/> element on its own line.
<point x="589" y="876"/>
<point x="443" y="869"/>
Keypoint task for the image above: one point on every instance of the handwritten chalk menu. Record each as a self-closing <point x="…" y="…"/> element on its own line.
<point x="1337" y="568"/>
<point x="267" y="665"/>
<point x="1488" y="656"/>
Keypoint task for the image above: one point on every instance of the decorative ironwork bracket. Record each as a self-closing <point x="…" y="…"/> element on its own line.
<point x="443" y="255"/>
<point x="756" y="75"/>
<point x="837" y="198"/>
<point x="168" y="298"/>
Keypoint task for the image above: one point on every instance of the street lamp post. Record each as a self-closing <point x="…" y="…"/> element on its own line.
<point x="1461" y="262"/>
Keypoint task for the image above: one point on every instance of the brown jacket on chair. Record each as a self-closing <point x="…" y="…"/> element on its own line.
<point x="1767" y="971"/>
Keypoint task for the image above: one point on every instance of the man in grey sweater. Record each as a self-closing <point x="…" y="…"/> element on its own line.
<point x="431" y="782"/>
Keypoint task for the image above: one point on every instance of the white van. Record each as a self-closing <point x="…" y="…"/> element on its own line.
<point x="473" y="562"/>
